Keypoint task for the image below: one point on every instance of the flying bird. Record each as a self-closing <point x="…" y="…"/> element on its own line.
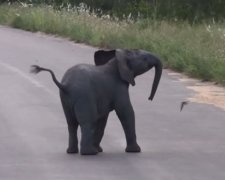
<point x="183" y="103"/>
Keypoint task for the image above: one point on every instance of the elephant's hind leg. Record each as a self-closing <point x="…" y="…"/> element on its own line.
<point x="99" y="132"/>
<point x="87" y="116"/>
<point x="72" y="128"/>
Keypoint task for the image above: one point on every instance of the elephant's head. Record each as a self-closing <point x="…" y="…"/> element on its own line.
<point x="132" y="63"/>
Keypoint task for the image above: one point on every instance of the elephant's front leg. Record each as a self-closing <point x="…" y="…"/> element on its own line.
<point x="125" y="112"/>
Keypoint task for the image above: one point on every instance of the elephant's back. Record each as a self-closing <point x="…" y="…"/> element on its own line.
<point x="78" y="77"/>
<point x="81" y="71"/>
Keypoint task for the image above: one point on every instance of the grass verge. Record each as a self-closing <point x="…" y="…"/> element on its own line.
<point x="197" y="50"/>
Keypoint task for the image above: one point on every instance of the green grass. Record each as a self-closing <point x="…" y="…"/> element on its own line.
<point x="196" y="50"/>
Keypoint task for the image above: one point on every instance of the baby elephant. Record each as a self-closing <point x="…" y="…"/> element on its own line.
<point x="88" y="93"/>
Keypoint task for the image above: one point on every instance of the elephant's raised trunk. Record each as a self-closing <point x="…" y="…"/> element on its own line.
<point x="158" y="73"/>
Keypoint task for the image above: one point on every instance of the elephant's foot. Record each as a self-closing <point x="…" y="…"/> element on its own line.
<point x="88" y="151"/>
<point x="72" y="150"/>
<point x="134" y="148"/>
<point x="99" y="148"/>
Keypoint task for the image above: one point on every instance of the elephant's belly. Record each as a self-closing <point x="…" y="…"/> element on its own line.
<point x="104" y="109"/>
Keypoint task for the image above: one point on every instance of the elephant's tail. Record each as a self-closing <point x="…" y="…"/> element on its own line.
<point x="36" y="69"/>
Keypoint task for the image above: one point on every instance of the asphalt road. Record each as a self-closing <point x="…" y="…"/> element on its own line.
<point x="187" y="145"/>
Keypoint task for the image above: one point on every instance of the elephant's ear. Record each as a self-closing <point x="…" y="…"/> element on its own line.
<point x="126" y="73"/>
<point x="102" y="57"/>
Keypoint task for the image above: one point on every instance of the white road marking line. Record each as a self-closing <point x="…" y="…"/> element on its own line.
<point x="26" y="77"/>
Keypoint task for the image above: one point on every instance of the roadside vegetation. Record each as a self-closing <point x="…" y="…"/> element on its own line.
<point x="198" y="49"/>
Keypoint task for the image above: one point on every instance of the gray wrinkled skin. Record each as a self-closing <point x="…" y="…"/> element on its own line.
<point x="89" y="93"/>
